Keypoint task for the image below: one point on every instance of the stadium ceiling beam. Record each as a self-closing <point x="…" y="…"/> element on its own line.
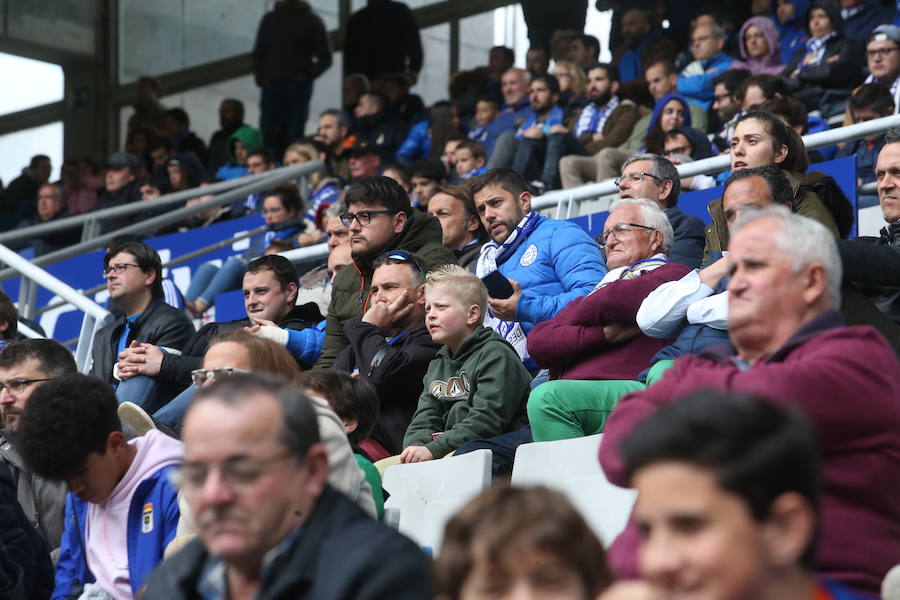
<point x="242" y="64"/>
<point x="31" y="117"/>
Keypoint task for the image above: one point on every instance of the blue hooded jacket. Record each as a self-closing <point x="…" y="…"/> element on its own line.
<point x="793" y="33"/>
<point x="663" y="101"/>
<point x="152" y="519"/>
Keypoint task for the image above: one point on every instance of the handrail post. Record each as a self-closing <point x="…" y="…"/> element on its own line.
<point x="31" y="300"/>
<point x="85" y="341"/>
<point x="90" y="229"/>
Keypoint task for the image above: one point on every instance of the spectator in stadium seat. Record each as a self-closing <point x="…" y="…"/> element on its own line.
<point x="160" y="150"/>
<point x="790" y="20"/>
<point x="537" y="61"/>
<point x="299" y="535"/>
<point x="380" y="219"/>
<point x="244" y="140"/>
<point x="231" y="118"/>
<point x="291" y="50"/>
<point x="333" y="132"/>
<point x="80" y="197"/>
<point x="462" y="230"/>
<point x="400" y="174"/>
<point x="584" y="51"/>
<point x="870" y="101"/>
<point x="604" y="123"/>
<point x="19" y="199"/>
<point x="672" y="111"/>
<point x="280" y="208"/>
<point x="355" y="403"/>
<point x="184" y="172"/>
<point x="147" y="109"/>
<point x="533" y="155"/>
<point x="133" y="275"/>
<point x="791" y="346"/>
<point x="50" y="207"/>
<point x="390" y="346"/>
<point x="121" y="510"/>
<point x="793" y="113"/>
<point x="177" y="126"/>
<point x="516" y="108"/>
<point x="748" y="471"/>
<point x="694" y="309"/>
<point x="363" y="160"/>
<point x="549" y="262"/>
<point x="122" y="186"/>
<point x="595" y="337"/>
<point x="427" y="175"/>
<point x="469" y="160"/>
<point x="377" y="125"/>
<point x="572" y="89"/>
<point x="662" y="80"/>
<point x="727" y="104"/>
<point x="270" y="292"/>
<point x="391" y="27"/>
<point x="861" y="17"/>
<point x="695" y="80"/>
<point x="642" y="45"/>
<point x="323" y="190"/>
<point x="653" y="177"/>
<point x="427" y="138"/>
<point x="520" y="542"/>
<point x="402" y="103"/>
<point x="487" y="109"/>
<point x="759" y="48"/>
<point x="829" y="60"/>
<point x="883" y="55"/>
<point x="352" y="89"/>
<point x="871" y="262"/>
<point x="25" y="366"/>
<point x="259" y="161"/>
<point x="476" y="387"/>
<point x="26" y="570"/>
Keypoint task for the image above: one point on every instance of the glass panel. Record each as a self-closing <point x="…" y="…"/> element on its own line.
<point x="18" y="148"/>
<point x="434" y="77"/>
<point x="62" y="24"/>
<point x="476" y="38"/>
<point x="45" y="83"/>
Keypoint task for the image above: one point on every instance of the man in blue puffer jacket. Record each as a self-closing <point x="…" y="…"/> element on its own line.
<point x="548" y="262"/>
<point x="122" y="510"/>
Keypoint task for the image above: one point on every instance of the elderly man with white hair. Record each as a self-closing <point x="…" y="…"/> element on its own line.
<point x="595" y="337"/>
<point x="791" y="346"/>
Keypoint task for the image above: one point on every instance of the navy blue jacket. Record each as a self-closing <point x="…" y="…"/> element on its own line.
<point x="690" y="238"/>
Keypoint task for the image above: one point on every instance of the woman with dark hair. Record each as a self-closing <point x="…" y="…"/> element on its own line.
<point x="671" y="111"/>
<point x="828" y="61"/>
<point x="427" y="138"/>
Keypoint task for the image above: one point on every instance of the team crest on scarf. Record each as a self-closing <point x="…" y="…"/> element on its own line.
<point x="456" y="388"/>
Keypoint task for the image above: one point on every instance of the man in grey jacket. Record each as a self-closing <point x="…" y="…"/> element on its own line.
<point x="24" y="366"/>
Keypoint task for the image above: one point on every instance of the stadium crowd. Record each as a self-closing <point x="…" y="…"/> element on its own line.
<point x="243" y="459"/>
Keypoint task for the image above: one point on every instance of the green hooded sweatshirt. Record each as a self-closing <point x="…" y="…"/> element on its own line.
<point x="350" y="289"/>
<point x="250" y="137"/>
<point x="478" y="393"/>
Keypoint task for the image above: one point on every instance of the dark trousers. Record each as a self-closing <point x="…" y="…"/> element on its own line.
<point x="503" y="448"/>
<point x="539" y="159"/>
<point x="284" y="108"/>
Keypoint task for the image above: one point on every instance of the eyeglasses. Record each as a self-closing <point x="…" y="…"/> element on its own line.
<point x="119" y="268"/>
<point x="239" y="474"/>
<point x="718" y="99"/>
<point x="199" y="376"/>
<point x="364" y="217"/>
<point x="17" y="386"/>
<point x="686" y="150"/>
<point x="882" y="52"/>
<point x="618" y="231"/>
<point x="635" y="178"/>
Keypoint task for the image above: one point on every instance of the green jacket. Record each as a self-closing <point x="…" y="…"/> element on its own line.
<point x="350" y="290"/>
<point x="806" y="203"/>
<point x="479" y="393"/>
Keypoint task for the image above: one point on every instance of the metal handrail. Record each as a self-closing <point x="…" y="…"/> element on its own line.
<point x="720" y="163"/>
<point x="166" y="200"/>
<point x="175" y="216"/>
<point x="28" y="331"/>
<point x="94" y="314"/>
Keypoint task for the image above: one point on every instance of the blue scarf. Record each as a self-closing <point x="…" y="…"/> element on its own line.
<point x="493" y="254"/>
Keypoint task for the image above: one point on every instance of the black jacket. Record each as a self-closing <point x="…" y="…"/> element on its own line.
<point x="176" y="370"/>
<point x="382" y="38"/>
<point x="26" y="572"/>
<point x="395" y="370"/>
<point x="846" y="72"/>
<point x="291" y="43"/>
<point x="467" y="256"/>
<point x="384" y="131"/>
<point x="873" y="265"/>
<point x="340" y="554"/>
<point x="127" y="194"/>
<point x="159" y="324"/>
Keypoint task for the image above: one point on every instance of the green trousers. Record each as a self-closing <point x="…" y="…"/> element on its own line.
<point x="570" y="408"/>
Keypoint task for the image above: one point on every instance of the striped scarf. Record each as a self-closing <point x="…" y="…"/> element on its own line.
<point x="815" y="50"/>
<point x="593" y="117"/>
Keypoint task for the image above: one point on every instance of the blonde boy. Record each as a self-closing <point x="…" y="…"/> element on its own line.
<point x="476" y="387"/>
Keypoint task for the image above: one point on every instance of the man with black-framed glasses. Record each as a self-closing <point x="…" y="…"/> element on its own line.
<point x="24" y="367"/>
<point x="133" y="273"/>
<point x="883" y="58"/>
<point x="380" y="218"/>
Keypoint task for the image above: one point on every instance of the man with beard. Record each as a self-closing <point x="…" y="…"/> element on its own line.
<point x="642" y="44"/>
<point x="531" y="156"/>
<point x="24" y="367"/>
<point x="605" y="122"/>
